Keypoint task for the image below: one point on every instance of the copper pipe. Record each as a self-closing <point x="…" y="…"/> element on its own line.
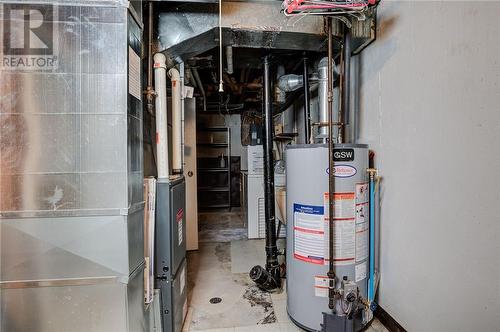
<point x="331" y="178"/>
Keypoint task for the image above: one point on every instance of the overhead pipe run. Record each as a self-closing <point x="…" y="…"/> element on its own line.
<point x="160" y="69"/>
<point x="270" y="278"/>
<point x="175" y="79"/>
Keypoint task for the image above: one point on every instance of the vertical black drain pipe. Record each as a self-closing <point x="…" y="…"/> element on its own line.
<point x="269" y="278"/>
<point x="307" y="113"/>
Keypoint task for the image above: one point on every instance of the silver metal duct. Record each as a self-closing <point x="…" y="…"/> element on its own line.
<point x="290" y="82"/>
<point x="71" y="175"/>
<point x="323" y="99"/>
<point x="193" y="28"/>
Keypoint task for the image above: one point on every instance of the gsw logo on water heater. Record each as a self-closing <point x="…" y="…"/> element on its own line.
<point x="343" y="155"/>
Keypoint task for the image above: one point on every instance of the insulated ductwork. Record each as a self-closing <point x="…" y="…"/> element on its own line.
<point x="194" y="28"/>
<point x="176" y="120"/>
<point x="291" y="82"/>
<point x="162" y="162"/>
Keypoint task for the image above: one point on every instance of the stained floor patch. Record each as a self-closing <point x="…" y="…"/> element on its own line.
<point x="256" y="297"/>
<point x="209" y="276"/>
<point x="221" y="227"/>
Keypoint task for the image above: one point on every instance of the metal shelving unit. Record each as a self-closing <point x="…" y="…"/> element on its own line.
<point x="206" y="193"/>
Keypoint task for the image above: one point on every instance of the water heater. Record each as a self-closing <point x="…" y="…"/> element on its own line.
<point x="307" y="175"/>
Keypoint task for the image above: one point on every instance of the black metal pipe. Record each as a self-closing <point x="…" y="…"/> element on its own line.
<point x="269" y="278"/>
<point x="272" y="265"/>
<point x="291" y="98"/>
<point x="346" y="82"/>
<point x="307" y="113"/>
<point x="331" y="178"/>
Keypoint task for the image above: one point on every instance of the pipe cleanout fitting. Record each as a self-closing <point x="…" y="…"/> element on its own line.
<point x="263" y="279"/>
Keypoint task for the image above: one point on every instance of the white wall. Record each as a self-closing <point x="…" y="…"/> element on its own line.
<point x="430" y="108"/>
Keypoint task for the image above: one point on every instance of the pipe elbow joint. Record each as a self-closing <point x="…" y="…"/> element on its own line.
<point x="174" y="74"/>
<point x="160" y="61"/>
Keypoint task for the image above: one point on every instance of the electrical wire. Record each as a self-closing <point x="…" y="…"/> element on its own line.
<point x="322" y="7"/>
<point x="221" y="82"/>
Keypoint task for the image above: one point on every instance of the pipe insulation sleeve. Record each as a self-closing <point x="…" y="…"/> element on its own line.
<point x="160" y="73"/>
<point x="175" y="79"/>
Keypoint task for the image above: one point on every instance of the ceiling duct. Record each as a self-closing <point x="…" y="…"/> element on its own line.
<point x="192" y="29"/>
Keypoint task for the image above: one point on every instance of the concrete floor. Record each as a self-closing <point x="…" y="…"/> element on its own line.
<point x="212" y="273"/>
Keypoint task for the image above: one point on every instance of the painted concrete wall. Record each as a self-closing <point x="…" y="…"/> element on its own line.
<point x="430" y="108"/>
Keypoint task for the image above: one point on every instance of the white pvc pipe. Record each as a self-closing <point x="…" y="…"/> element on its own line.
<point x="160" y="68"/>
<point x="175" y="78"/>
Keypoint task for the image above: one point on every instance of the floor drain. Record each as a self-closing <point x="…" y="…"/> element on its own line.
<point x="215" y="300"/>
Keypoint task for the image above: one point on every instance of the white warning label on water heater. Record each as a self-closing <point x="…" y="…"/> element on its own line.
<point x="344" y="228"/>
<point x="360" y="272"/>
<point x="362" y="219"/>
<point x="344" y="207"/>
<point x="321" y="286"/>
<point x="362" y="192"/>
<point x="362" y="208"/>
<point x="308" y="241"/>
<point x="362" y="212"/>
<point x="361" y="242"/>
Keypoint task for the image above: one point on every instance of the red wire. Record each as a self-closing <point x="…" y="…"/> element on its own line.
<point x="295" y="5"/>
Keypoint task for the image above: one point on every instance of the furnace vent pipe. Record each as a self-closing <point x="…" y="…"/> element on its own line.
<point x="175" y="79"/>
<point x="346" y="81"/>
<point x="323" y="95"/>
<point x="307" y="100"/>
<point x="160" y="69"/>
